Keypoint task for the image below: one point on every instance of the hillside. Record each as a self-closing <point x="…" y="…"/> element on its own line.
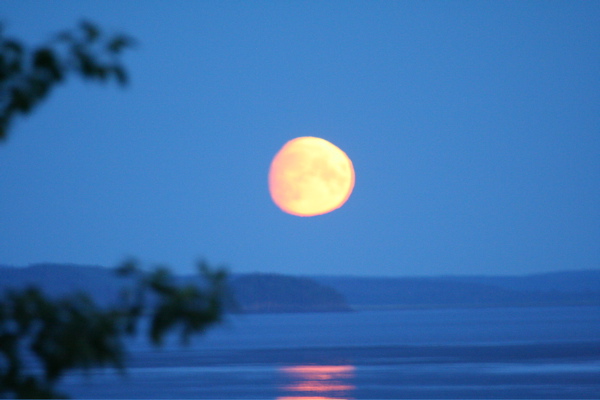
<point x="281" y="293"/>
<point x="250" y="292"/>
<point x="559" y="288"/>
<point x="284" y="293"/>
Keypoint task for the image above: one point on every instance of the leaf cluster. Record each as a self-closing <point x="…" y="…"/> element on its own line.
<point x="185" y="308"/>
<point x="28" y="75"/>
<point x="54" y="336"/>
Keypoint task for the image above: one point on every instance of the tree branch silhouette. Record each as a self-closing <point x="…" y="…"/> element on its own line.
<point x="42" y="338"/>
<point x="73" y="332"/>
<point x="28" y="75"/>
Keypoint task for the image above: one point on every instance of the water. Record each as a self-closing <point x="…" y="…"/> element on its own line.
<point x="446" y="354"/>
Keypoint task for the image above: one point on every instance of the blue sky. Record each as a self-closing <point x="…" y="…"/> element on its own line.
<point x="474" y="129"/>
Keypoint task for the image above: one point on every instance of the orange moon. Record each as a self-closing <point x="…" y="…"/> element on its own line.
<point x="310" y="176"/>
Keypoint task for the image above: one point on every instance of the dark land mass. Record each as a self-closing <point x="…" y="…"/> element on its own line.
<point x="247" y="292"/>
<point x="564" y="288"/>
<point x="284" y="293"/>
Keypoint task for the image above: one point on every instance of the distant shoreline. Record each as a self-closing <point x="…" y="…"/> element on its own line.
<point x="403" y="307"/>
<point x="277" y="293"/>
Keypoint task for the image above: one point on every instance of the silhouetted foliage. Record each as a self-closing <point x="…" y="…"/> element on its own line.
<point x="42" y="338"/>
<point x="28" y="75"/>
<point x="74" y="333"/>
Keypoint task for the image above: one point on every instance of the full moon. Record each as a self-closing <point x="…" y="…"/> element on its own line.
<point x="310" y="176"/>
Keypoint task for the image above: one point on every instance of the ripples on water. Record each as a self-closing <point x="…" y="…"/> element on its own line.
<point x="494" y="353"/>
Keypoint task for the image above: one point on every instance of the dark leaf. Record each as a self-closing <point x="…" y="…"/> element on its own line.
<point x="39" y="87"/>
<point x="14" y="67"/>
<point x="3" y="68"/>
<point x="45" y="59"/>
<point x="21" y="100"/>
<point x="91" y="31"/>
<point x="13" y="46"/>
<point x="102" y="72"/>
<point x="161" y="282"/>
<point x="87" y="65"/>
<point x="127" y="268"/>
<point x="120" y="74"/>
<point x="118" y="43"/>
<point x="11" y="60"/>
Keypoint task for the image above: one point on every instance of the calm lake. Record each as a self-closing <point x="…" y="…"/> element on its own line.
<point x="428" y="354"/>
